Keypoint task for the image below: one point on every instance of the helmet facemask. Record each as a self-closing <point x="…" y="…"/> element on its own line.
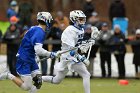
<point x="48" y="24"/>
<point x="80" y="21"/>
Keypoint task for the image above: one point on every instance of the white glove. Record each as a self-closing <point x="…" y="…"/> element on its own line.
<point x="83" y="59"/>
<point x="95" y="32"/>
<point x="91" y="42"/>
<point x="85" y="46"/>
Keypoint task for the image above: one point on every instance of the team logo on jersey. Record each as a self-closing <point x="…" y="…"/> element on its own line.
<point x="80" y="39"/>
<point x="80" y="36"/>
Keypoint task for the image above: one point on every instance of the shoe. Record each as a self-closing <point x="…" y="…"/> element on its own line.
<point x="38" y="81"/>
<point x="4" y="75"/>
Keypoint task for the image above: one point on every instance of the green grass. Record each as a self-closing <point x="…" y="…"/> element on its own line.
<point x="72" y="85"/>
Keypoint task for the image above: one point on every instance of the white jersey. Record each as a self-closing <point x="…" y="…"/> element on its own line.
<point x="71" y="37"/>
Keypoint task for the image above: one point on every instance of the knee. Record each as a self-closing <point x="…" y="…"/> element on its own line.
<point x="26" y="86"/>
<point x="86" y="75"/>
<point x="57" y="81"/>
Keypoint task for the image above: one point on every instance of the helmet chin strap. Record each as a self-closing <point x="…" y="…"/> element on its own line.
<point x="79" y="26"/>
<point x="48" y="25"/>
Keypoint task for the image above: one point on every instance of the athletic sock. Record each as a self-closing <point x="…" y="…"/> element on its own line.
<point x="47" y="78"/>
<point x="86" y="83"/>
<point x="10" y="76"/>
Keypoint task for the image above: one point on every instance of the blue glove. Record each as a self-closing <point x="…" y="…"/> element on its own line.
<point x="52" y="55"/>
<point x="72" y="53"/>
<point x="55" y="54"/>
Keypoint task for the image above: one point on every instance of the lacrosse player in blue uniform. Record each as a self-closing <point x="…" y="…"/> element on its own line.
<point x="31" y="46"/>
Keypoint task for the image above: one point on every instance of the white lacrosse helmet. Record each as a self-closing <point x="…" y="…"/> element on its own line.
<point x="77" y="16"/>
<point x="45" y="17"/>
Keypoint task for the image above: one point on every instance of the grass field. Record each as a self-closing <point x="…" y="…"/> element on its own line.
<point x="74" y="85"/>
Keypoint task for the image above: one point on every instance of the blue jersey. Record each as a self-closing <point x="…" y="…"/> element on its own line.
<point x="26" y="50"/>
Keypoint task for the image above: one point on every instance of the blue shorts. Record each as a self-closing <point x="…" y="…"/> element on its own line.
<point x="24" y="67"/>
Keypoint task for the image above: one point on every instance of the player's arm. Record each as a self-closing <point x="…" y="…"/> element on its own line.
<point x="37" y="41"/>
<point x="40" y="51"/>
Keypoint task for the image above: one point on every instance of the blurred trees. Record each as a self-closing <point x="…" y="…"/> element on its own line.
<point x="101" y="6"/>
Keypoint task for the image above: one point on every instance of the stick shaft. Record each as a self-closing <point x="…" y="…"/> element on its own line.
<point x="63" y="52"/>
<point x="89" y="52"/>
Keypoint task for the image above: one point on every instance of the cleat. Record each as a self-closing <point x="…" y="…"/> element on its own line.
<point x="38" y="81"/>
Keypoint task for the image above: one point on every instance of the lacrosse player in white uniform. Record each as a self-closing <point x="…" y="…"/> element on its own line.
<point x="71" y="36"/>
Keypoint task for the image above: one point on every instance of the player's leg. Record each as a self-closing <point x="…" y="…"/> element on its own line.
<point x="25" y="82"/>
<point x="62" y="70"/>
<point x="83" y="72"/>
<point x="108" y="59"/>
<point x="37" y="78"/>
<point x="24" y="69"/>
<point x="60" y="75"/>
<point x="102" y="64"/>
<point x="8" y="75"/>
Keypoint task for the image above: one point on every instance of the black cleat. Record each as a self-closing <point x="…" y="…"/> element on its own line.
<point x="38" y="81"/>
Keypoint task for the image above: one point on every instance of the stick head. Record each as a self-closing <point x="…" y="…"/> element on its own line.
<point x="95" y="32"/>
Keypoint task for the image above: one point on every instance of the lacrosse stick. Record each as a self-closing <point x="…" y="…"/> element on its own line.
<point x="94" y="35"/>
<point x="61" y="52"/>
<point x="89" y="52"/>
